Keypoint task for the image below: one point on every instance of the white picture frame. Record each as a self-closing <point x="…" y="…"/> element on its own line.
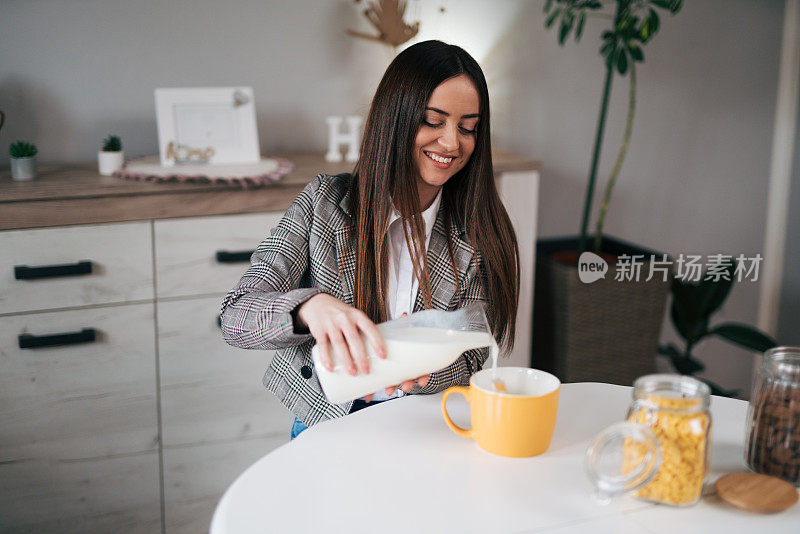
<point x="215" y="125"/>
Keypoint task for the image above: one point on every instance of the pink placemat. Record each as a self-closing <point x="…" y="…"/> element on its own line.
<point x="238" y="175"/>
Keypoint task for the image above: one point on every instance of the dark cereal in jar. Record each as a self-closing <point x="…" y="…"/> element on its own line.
<point x="774" y="438"/>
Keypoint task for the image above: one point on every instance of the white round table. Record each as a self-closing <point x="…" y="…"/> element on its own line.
<point x="396" y="467"/>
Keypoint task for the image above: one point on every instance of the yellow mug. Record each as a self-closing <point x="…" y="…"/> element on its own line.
<point x="518" y="423"/>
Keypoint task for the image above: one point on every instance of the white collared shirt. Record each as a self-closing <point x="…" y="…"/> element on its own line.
<point x="403" y="285"/>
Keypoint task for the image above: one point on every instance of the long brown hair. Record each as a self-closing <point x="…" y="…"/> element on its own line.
<point x="386" y="173"/>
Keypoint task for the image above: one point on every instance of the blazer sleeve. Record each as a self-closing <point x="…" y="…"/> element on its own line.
<point x="459" y="372"/>
<point x="256" y="314"/>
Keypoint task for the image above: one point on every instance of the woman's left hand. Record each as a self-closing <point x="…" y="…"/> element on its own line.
<point x="405" y="386"/>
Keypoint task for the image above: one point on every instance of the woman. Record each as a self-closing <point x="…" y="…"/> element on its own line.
<point x="418" y="224"/>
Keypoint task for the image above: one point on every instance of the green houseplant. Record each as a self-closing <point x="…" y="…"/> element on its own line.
<point x="111" y="157"/>
<point x="23" y="160"/>
<point x="608" y="330"/>
<point x="634" y="23"/>
<point x="693" y="304"/>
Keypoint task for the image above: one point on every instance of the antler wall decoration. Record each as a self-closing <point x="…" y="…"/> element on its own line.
<point x="387" y="17"/>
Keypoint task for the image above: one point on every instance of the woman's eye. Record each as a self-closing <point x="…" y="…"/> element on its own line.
<point x="465" y="131"/>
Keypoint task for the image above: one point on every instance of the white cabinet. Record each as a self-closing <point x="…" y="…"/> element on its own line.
<point x="118" y="258"/>
<point x="210" y="391"/>
<point x="103" y="494"/>
<point x="146" y="392"/>
<point x="196" y="476"/>
<point x="519" y="192"/>
<point x="217" y="417"/>
<point x="197" y="255"/>
<point x="86" y="400"/>
<point x="79" y="446"/>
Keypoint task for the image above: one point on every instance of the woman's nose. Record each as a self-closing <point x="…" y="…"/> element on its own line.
<point x="449" y="140"/>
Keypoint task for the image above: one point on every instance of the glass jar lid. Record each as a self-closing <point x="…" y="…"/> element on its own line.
<point x="613" y="469"/>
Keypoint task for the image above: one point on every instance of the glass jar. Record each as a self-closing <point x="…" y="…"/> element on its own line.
<point x="772" y="434"/>
<point x="663" y="450"/>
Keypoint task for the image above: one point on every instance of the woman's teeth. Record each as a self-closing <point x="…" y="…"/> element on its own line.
<point x="434" y="157"/>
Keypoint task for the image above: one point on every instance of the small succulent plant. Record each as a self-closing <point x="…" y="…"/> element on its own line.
<point x="22" y="149"/>
<point x="112" y="144"/>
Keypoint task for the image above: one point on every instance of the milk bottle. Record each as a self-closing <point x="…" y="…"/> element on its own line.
<point x="417" y="344"/>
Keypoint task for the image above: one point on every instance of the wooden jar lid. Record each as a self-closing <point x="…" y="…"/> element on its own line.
<point x="756" y="493"/>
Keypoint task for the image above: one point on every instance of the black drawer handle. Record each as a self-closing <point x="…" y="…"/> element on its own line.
<point x="223" y="256"/>
<point x="29" y="341"/>
<point x="23" y="272"/>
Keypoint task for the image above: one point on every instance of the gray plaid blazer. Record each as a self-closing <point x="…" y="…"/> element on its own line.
<point x="308" y="253"/>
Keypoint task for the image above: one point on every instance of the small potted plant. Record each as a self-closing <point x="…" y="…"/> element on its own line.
<point x="111" y="157"/>
<point x="23" y="160"/>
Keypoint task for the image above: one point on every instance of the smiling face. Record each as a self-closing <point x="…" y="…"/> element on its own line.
<point x="446" y="138"/>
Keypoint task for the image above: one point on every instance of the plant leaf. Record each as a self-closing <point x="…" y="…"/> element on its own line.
<point x="663" y="4"/>
<point x="686" y="365"/>
<point x="713" y="293"/>
<point x="630" y="27"/>
<point x="689" y="299"/>
<point x="745" y="336"/>
<point x="644" y="31"/>
<point x="636" y="51"/>
<point x="610" y="58"/>
<point x="670" y="351"/>
<point x="607" y="49"/>
<point x="622" y="61"/>
<point x="676" y="6"/>
<point x="687" y="322"/>
<point x="654" y="22"/>
<point x="719" y="390"/>
<point x="679" y="321"/>
<point x="566" y="25"/>
<point x="552" y="17"/>
<point x="547" y="5"/>
<point x="579" y="28"/>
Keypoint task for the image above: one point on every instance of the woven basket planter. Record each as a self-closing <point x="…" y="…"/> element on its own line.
<point x="604" y="331"/>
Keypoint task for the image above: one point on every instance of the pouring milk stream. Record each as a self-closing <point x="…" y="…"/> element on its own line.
<point x="416" y="344"/>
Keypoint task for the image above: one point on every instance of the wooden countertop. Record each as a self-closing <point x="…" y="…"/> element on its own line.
<point x="73" y="193"/>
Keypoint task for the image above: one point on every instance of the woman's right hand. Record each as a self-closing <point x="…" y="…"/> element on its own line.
<point x="337" y="328"/>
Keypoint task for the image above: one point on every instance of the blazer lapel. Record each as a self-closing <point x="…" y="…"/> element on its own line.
<point x="345" y="254"/>
<point x="443" y="283"/>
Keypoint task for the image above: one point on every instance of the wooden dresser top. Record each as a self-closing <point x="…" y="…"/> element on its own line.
<point x="74" y="193"/>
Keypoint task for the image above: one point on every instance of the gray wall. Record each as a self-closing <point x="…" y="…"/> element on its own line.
<point x="695" y="180"/>
<point x="72" y="72"/>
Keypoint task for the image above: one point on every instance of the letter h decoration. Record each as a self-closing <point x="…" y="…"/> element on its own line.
<point x="350" y="138"/>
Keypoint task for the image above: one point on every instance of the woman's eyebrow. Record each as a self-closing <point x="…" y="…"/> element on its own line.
<point x="446" y="114"/>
